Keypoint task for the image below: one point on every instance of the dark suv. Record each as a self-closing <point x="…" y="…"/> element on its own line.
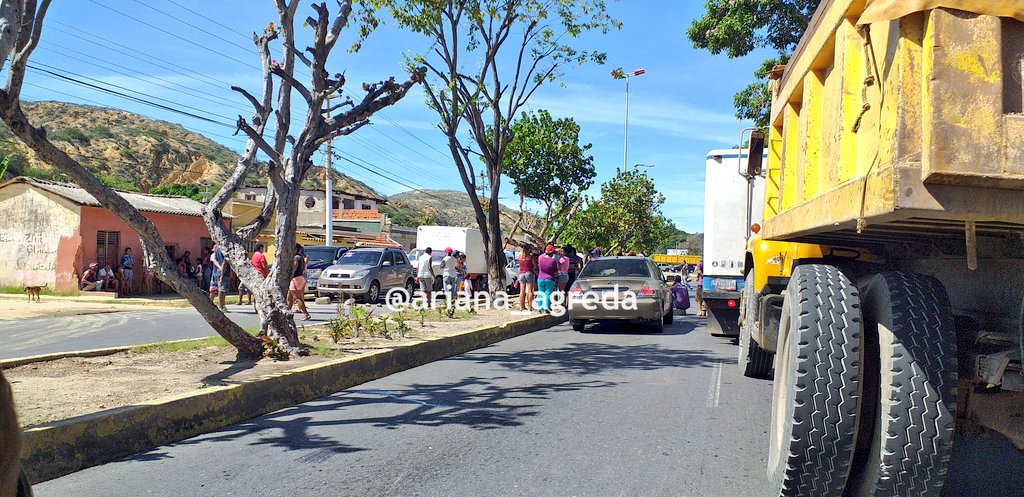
<point x="320" y="257"/>
<point x="367" y="272"/>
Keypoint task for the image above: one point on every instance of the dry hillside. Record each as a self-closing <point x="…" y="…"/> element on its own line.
<point x="128" y="151"/>
<point x="441" y="207"/>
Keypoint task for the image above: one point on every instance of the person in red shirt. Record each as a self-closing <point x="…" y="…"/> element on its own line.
<point x="259" y="261"/>
<point x="527" y="278"/>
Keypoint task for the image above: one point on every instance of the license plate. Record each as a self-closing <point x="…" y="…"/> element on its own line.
<point x="725" y="284"/>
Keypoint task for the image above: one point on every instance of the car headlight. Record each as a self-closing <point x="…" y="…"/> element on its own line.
<point x="313" y="273"/>
<point x="361" y="273"/>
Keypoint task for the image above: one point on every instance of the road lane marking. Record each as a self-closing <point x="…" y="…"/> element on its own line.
<point x="715" y="386"/>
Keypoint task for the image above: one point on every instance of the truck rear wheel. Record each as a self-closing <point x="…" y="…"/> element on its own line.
<point x="817" y="385"/>
<point x="912" y="387"/>
<point x="754" y="361"/>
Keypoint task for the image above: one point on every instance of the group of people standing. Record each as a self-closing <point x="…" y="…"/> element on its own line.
<point x="454" y="277"/>
<point x="542" y="274"/>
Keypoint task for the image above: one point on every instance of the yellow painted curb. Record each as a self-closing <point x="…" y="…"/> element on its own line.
<point x="56" y="449"/>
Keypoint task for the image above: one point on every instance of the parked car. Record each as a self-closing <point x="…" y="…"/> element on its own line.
<point x="367" y="273"/>
<point x="599" y="280"/>
<point x="320" y="257"/>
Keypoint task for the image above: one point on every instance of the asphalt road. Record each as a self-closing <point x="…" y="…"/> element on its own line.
<point x="613" y="412"/>
<point x="34" y="336"/>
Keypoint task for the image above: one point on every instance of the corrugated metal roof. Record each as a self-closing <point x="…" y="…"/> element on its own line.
<point x="166" y="204"/>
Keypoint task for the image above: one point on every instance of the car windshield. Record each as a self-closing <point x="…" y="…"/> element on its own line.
<point x="360" y="258"/>
<point x="615" y="268"/>
<point x="321" y="253"/>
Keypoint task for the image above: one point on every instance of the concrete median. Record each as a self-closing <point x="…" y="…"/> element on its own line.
<point x="59" y="448"/>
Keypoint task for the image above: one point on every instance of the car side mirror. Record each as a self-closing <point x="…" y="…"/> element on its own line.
<point x="387" y="263"/>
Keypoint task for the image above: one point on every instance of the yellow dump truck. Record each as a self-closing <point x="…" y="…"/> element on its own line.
<point x="675" y="260"/>
<point x="884" y="287"/>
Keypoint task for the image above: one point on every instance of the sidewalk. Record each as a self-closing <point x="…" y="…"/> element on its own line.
<point x="14" y="306"/>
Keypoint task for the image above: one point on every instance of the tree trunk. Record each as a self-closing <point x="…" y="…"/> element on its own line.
<point x="494" y="245"/>
<point x="152" y="242"/>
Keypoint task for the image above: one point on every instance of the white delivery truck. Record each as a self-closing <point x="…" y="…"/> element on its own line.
<point x="465" y="240"/>
<point x="726" y="226"/>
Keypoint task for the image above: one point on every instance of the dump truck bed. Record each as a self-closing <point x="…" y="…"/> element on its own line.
<point x="895" y="120"/>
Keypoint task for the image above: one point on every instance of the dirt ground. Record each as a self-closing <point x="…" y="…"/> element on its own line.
<point x="54" y="390"/>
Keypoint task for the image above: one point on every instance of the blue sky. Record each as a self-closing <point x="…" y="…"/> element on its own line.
<point x="188" y="52"/>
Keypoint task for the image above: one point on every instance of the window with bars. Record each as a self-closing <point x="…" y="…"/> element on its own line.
<point x="107" y="245"/>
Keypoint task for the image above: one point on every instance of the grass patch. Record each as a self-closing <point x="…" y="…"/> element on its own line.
<point x="214" y="341"/>
<point x="14" y="289"/>
<point x="180" y="345"/>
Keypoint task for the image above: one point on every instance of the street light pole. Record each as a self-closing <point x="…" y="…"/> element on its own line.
<point x="329" y="192"/>
<point x="625" y="132"/>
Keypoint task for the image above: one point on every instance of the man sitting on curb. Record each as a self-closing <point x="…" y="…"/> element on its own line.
<point x="91" y="281"/>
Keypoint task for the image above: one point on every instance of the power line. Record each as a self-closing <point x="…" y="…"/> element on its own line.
<point x="80" y="35"/>
<point x="377" y="173"/>
<point x="53" y="70"/>
<point x="186" y="40"/>
<point x="201" y="15"/>
<point x="170" y="85"/>
<point x="193" y="26"/>
<point x="204" y="134"/>
<point x="125" y="95"/>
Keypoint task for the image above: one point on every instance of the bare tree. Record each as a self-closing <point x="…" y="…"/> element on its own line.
<point x="20" y="29"/>
<point x="487" y="59"/>
<point x="290" y="156"/>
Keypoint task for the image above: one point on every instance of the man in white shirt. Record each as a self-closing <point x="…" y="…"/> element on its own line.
<point x="425" y="274"/>
<point x="107" y="278"/>
<point x="448" y="274"/>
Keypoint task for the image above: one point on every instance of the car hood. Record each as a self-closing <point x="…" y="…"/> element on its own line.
<point x="349" y="268"/>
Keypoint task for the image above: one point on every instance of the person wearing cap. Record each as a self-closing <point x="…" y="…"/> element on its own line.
<point x="90" y="281"/>
<point x="449" y="274"/>
<point x="547" y="276"/>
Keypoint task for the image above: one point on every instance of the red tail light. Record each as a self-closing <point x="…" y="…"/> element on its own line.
<point x="575" y="289"/>
<point x="646" y="291"/>
<point x="731" y="304"/>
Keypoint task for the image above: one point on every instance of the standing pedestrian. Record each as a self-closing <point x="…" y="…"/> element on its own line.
<point x="197" y="275"/>
<point x="527" y="278"/>
<point x="701" y="310"/>
<point x="425" y="273"/>
<point x="449" y="276"/>
<point x="127" y="264"/>
<point x="546" y="278"/>
<point x="259" y="261"/>
<point x="207" y="271"/>
<point x="575" y="264"/>
<point x="243" y="290"/>
<point x="297" y="287"/>
<point x="219" y="279"/>
<point x="562" y="278"/>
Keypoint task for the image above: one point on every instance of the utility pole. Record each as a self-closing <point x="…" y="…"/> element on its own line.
<point x="329" y="192"/>
<point x="483" y="185"/>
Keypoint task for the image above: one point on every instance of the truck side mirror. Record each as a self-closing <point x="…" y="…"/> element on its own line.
<point x="755" y="153"/>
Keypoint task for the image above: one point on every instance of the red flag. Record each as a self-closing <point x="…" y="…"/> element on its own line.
<point x="638" y="72"/>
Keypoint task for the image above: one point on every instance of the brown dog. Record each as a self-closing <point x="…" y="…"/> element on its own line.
<point x="33" y="291"/>
<point x="10" y="442"/>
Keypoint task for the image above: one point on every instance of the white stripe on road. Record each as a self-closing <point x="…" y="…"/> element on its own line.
<point x="715" y="386"/>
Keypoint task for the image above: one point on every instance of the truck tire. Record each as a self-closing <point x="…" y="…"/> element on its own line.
<point x="912" y="387"/>
<point x="817" y="385"/>
<point x="754" y="361"/>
